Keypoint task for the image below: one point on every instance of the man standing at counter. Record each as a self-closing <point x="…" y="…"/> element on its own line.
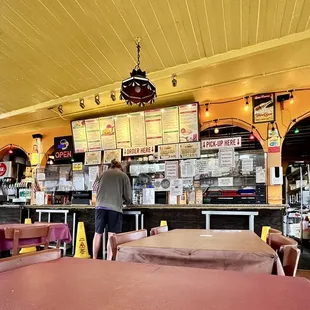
<point x="114" y="189"/>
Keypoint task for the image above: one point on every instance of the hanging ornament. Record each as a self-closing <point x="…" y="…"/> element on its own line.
<point x="138" y="89"/>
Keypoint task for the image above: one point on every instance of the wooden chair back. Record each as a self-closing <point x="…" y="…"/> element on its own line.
<point x="31" y="232"/>
<point x="158" y="230"/>
<point x="272" y="231"/>
<point x="291" y="257"/>
<point x="27" y="259"/>
<point x="278" y="241"/>
<point x="118" y="239"/>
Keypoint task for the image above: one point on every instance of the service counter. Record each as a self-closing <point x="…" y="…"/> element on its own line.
<point x="177" y="216"/>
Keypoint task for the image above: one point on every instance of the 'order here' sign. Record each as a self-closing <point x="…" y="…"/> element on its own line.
<point x="220" y="143"/>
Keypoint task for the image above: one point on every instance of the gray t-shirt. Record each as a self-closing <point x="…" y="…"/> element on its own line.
<point x="114" y="189"/>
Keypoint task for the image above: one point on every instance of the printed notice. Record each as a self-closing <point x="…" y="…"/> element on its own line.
<point x="153" y="127"/>
<point x="188" y="168"/>
<point x="176" y="187"/>
<point x="168" y="151"/>
<point x="172" y="170"/>
<point x="188" y="127"/>
<point x="79" y="136"/>
<point x="137" y="129"/>
<point x="109" y="155"/>
<point x="202" y="166"/>
<point x="229" y="181"/>
<point x="189" y="150"/>
<point x="92" y="158"/>
<point x="107" y="130"/>
<point x="170" y="123"/>
<point x="93" y="134"/>
<point x="122" y="131"/>
<point x="227" y="157"/>
<point x="246" y="165"/>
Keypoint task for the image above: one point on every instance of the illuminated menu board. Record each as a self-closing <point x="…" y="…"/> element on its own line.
<point x="137" y="129"/>
<point x="153" y="127"/>
<point x="188" y="118"/>
<point x="93" y="134"/>
<point x="79" y="136"/>
<point x="170" y="123"/>
<point x="107" y="133"/>
<point x="122" y="128"/>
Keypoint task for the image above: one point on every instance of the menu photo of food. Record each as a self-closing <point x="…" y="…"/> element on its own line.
<point x="107" y="132"/>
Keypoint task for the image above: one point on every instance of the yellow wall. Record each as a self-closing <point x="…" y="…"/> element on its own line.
<point x="227" y="111"/>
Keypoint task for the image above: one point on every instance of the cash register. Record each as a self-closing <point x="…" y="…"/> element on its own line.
<point x="81" y="197"/>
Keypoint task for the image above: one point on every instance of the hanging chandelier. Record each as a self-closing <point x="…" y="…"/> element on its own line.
<point x="138" y="89"/>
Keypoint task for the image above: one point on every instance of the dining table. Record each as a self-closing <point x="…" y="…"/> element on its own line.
<point x="74" y="283"/>
<point x="240" y="250"/>
<point x="58" y="232"/>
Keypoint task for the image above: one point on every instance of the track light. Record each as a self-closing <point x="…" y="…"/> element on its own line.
<point x="174" y="80"/>
<point x="113" y="97"/>
<point x="272" y="128"/>
<point x="246" y="107"/>
<point x="60" y="109"/>
<point x="82" y="104"/>
<point x="97" y="99"/>
<point x="207" y="113"/>
<point x="291" y="96"/>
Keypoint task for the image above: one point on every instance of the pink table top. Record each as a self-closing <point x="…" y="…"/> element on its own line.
<point x="59" y="231"/>
<point x="72" y="283"/>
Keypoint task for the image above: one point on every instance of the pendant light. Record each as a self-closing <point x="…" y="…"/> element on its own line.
<point x="137" y="89"/>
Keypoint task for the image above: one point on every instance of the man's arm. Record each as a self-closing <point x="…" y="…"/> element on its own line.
<point x="127" y="190"/>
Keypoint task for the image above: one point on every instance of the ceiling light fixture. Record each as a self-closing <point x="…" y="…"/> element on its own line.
<point x="60" y="109"/>
<point x="291" y="96"/>
<point x="207" y="113"/>
<point x="252" y="137"/>
<point x="82" y="104"/>
<point x="97" y="99"/>
<point x="174" y="80"/>
<point x="138" y="89"/>
<point x="246" y="107"/>
<point x="296" y="130"/>
<point x="112" y="95"/>
<point x="216" y="130"/>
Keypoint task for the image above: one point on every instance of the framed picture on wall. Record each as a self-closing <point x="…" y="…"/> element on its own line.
<point x="264" y="108"/>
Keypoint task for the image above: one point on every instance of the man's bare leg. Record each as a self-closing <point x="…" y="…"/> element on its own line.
<point x="96" y="244"/>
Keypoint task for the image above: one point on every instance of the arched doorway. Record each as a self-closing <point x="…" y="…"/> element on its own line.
<point x="237" y="174"/>
<point x="16" y="160"/>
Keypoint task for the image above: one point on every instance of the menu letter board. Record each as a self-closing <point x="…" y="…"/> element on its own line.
<point x="153" y="127"/>
<point x="122" y="131"/>
<point x="137" y="129"/>
<point x="79" y="136"/>
<point x="93" y="134"/>
<point x="188" y="116"/>
<point x="168" y="151"/>
<point x="107" y="130"/>
<point x="189" y="150"/>
<point x="264" y="108"/>
<point x="170" y="123"/>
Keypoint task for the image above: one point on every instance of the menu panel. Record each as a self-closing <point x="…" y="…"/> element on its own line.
<point x="137" y="129"/>
<point x="153" y="127"/>
<point x="188" y="118"/>
<point x="122" y="128"/>
<point x="170" y="123"/>
<point x="93" y="134"/>
<point x="107" y="131"/>
<point x="79" y="136"/>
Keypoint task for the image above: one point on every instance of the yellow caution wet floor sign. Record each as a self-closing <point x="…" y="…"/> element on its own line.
<point x="81" y="249"/>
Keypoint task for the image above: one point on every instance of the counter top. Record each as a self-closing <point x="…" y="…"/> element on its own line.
<point x="166" y="206"/>
<point x="9" y="206"/>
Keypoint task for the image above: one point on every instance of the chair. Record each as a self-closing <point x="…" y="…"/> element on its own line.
<point x="31" y="232"/>
<point x="158" y="230"/>
<point x="118" y="239"/>
<point x="278" y="242"/>
<point x="28" y="259"/>
<point x="291" y="257"/>
<point x="272" y="231"/>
